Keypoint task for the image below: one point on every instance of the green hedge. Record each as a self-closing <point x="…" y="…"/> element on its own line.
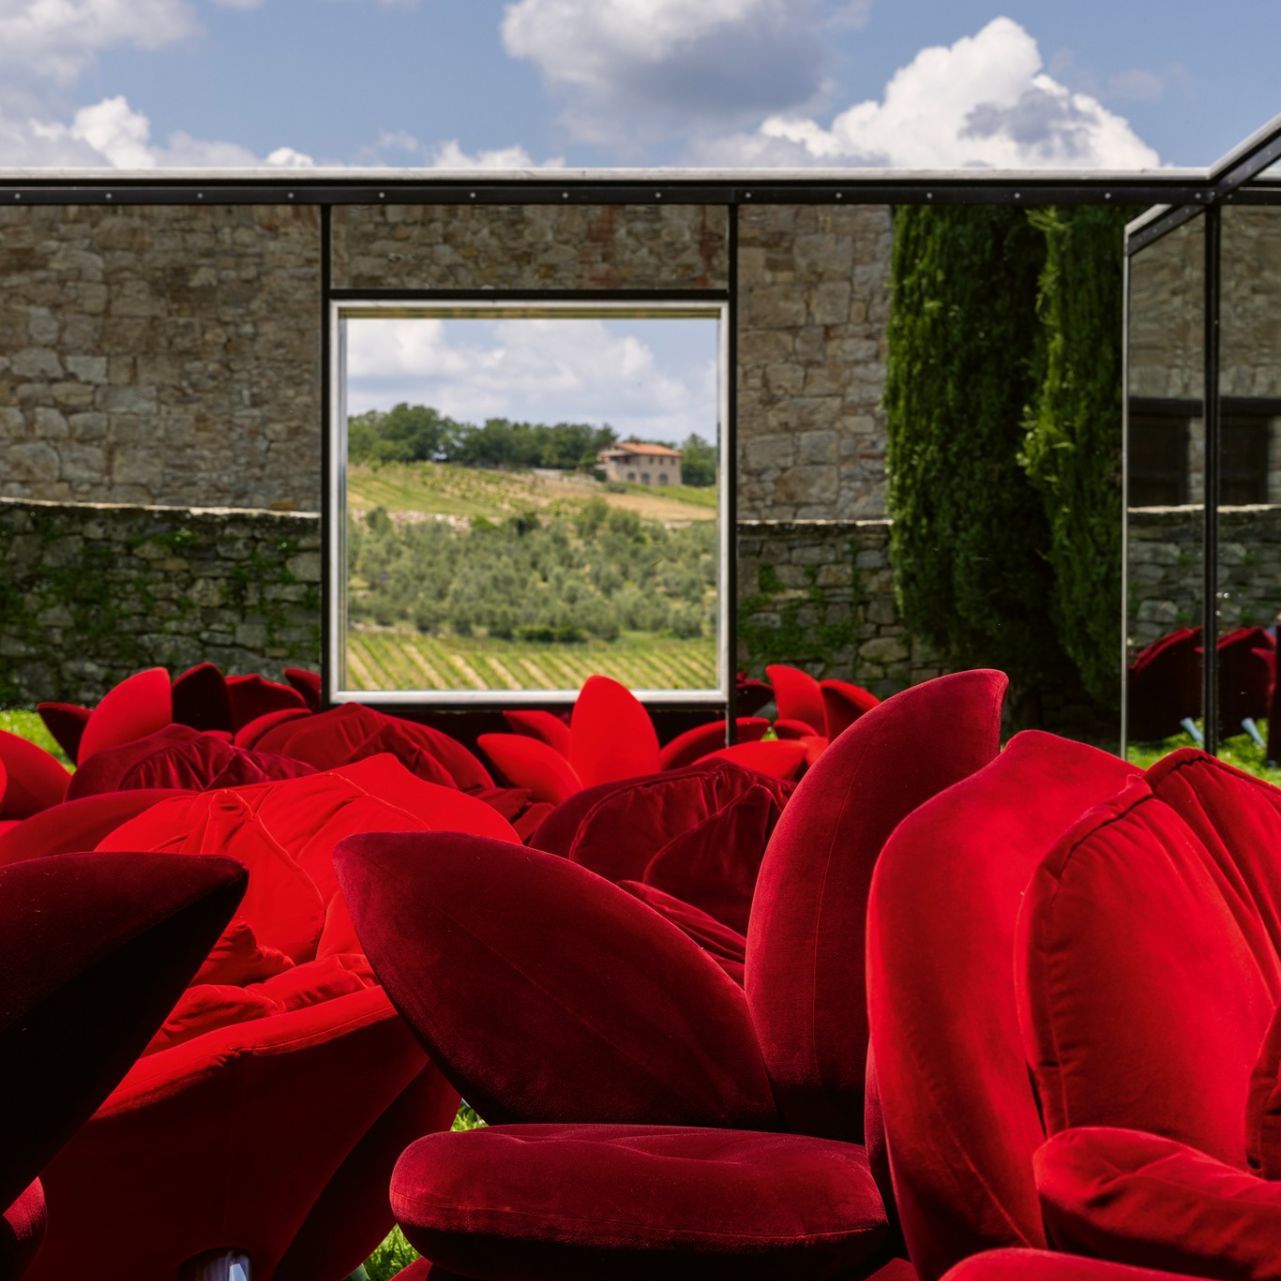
<point x="1072" y="451"/>
<point x="969" y="530"/>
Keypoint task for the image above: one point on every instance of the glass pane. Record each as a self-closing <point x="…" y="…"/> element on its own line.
<point x="1165" y="498"/>
<point x="532" y="495"/>
<point x="1249" y="477"/>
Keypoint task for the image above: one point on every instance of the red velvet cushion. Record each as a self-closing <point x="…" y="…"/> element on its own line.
<point x="179" y="757"/>
<point x="1141" y="1001"/>
<point x="1237" y="818"/>
<point x="352" y="732"/>
<point x="714" y="864"/>
<point x="775" y="757"/>
<point x="1263" y="1107"/>
<point x="201" y="698"/>
<point x="1155" y="1203"/>
<point x="798" y="697"/>
<point x="631" y="1203"/>
<point x="578" y="1001"/>
<point x="35" y="780"/>
<point x="611" y="734"/>
<point x="960" y="1119"/>
<point x="248" y="735"/>
<point x="1039" y="1265"/>
<point x="139" y="705"/>
<point x="309" y="984"/>
<point x="94" y="951"/>
<point x="234" y="1136"/>
<point x="77" y="825"/>
<point x="22" y="1229"/>
<point x="621" y="833"/>
<point x="805" y="941"/>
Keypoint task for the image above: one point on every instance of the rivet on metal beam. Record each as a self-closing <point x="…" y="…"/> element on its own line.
<point x="291" y="195"/>
<point x="929" y="195"/>
<point x="108" y="195"/>
<point x="1018" y="195"/>
<point x="747" y="195"/>
<point x="200" y="195"/>
<point x="658" y="195"/>
<point x="1107" y="195"/>
<point x="17" y="195"/>
<point x="564" y="195"/>
<point x="382" y="195"/>
<point x="473" y="195"/>
<point x="840" y="195"/>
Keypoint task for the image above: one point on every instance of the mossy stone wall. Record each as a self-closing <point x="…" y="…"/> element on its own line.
<point x="94" y="591"/>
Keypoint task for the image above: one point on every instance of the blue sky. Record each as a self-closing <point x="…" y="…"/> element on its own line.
<point x="649" y="82"/>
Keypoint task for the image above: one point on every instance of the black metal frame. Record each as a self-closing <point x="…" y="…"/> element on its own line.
<point x="1226" y="185"/>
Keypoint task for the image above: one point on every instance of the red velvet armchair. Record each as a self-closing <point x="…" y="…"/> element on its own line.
<point x="94" y="950"/>
<point x="668" y="1121"/>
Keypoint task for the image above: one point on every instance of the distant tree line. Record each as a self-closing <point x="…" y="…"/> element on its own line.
<point x="418" y="434"/>
<point x="562" y="576"/>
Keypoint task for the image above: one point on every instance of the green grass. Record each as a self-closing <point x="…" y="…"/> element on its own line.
<point x="446" y="489"/>
<point x="28" y="725"/>
<point x="406" y="659"/>
<point x="1240" y="750"/>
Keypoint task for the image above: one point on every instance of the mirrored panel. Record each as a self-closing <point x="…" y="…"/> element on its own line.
<point x="526" y="494"/>
<point x="1249" y="531"/>
<point x="1165" y="491"/>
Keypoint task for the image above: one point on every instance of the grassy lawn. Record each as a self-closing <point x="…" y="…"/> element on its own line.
<point x="446" y="489"/>
<point x="388" y="658"/>
<point x="1240" y="751"/>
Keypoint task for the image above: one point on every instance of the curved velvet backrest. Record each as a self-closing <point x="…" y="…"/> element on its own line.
<point x="139" y="705"/>
<point x="66" y="722"/>
<point x="201" y="698"/>
<point x="1237" y="818"/>
<point x="798" y="696"/>
<point x="307" y="683"/>
<point x="611" y="734"/>
<point x="805" y="940"/>
<point x="844" y="703"/>
<point x="547" y="994"/>
<point x="253" y="695"/>
<point x="960" y="1119"/>
<point x="94" y="951"/>
<point x="1140" y="1000"/>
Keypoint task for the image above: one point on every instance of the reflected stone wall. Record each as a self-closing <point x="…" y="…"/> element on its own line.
<point x="161" y="355"/>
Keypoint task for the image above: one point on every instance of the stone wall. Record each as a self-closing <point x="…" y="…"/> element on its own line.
<point x="1165" y="569"/>
<point x="814" y="304"/>
<point x="91" y="593"/>
<point x="161" y="355"/>
<point x="530" y="247"/>
<point x="819" y="594"/>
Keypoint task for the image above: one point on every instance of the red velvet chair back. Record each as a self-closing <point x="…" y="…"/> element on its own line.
<point x="805" y="943"/>
<point x="960" y="1122"/>
<point x="1146" y="981"/>
<point x="1165" y="685"/>
<point x="94" y="951"/>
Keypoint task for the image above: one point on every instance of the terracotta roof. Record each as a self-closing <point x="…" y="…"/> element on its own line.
<point x="644" y="447"/>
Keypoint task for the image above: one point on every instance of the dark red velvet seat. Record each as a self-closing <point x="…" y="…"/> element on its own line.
<point x="94" y="950"/>
<point x="1165" y="685"/>
<point x="1039" y="1265"/>
<point x="636" y="1202"/>
<point x="634" y="1024"/>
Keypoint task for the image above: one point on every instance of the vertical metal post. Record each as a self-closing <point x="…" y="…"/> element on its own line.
<point x="326" y="460"/>
<point x="1210" y="622"/>
<point x="1125" y="503"/>
<point x="729" y="478"/>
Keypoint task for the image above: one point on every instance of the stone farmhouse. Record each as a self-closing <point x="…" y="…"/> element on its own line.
<point x="638" y="462"/>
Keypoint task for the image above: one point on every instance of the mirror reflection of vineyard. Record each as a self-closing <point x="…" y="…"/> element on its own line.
<point x="495" y="558"/>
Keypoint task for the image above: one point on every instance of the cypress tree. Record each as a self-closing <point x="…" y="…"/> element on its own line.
<point x="1072" y="451"/>
<point x="970" y="534"/>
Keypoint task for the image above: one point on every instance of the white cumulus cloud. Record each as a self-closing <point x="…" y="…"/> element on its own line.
<point x="985" y="101"/>
<point x="635" y="70"/>
<point x="655" y="386"/>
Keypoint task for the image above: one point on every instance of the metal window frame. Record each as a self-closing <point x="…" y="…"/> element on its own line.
<point x="350" y="304"/>
<point x="1233" y="179"/>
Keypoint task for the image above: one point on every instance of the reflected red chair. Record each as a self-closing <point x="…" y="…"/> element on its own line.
<point x="94" y="950"/>
<point x="1164" y="687"/>
<point x="1247" y="669"/>
<point x="661" y="1095"/>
